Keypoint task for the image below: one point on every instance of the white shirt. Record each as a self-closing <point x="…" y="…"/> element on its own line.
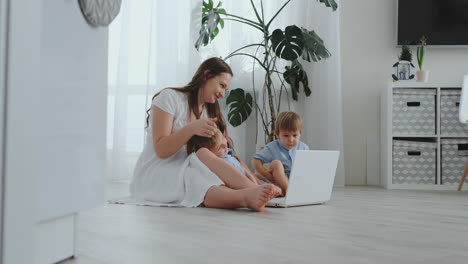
<point x="178" y="179"/>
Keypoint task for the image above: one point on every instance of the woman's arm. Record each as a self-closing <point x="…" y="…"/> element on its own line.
<point x="166" y="143"/>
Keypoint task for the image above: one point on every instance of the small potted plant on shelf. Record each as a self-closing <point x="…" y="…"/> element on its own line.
<point x="404" y="65"/>
<point x="421" y="75"/>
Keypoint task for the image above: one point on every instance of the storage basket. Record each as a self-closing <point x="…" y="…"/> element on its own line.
<point x="449" y="107"/>
<point x="414" y="111"/>
<point x="414" y="162"/>
<point x="454" y="156"/>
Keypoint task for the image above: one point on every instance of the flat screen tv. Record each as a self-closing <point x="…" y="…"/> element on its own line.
<point x="442" y="22"/>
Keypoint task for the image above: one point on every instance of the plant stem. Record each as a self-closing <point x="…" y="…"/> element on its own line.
<point x="268" y="83"/>
<point x="251" y="45"/>
<point x="256" y="12"/>
<point x="257" y="107"/>
<point x="263" y="13"/>
<point x="246" y="54"/>
<point x="277" y="13"/>
<point x="247" y="23"/>
<point x="245" y="19"/>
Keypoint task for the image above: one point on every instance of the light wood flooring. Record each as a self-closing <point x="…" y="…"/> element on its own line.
<point x="359" y="225"/>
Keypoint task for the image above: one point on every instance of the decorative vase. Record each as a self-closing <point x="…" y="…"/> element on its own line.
<point x="422" y="76"/>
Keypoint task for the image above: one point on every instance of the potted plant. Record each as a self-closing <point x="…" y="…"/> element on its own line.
<point x="404" y="65"/>
<point x="293" y="44"/>
<point x="421" y="75"/>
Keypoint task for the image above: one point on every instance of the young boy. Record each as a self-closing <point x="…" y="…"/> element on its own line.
<point x="280" y="152"/>
<point x="218" y="145"/>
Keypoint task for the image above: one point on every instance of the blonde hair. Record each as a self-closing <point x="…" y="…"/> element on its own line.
<point x="288" y="121"/>
<point x="198" y="142"/>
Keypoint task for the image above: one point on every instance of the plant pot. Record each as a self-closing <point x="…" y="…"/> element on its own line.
<point x="422" y="76"/>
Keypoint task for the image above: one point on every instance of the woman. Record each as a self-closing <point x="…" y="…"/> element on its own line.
<point x="165" y="174"/>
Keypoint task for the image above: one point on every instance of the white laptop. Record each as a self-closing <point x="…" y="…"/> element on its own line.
<point x="311" y="178"/>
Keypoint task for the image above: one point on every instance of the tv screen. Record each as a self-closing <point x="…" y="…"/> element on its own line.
<point x="442" y="22"/>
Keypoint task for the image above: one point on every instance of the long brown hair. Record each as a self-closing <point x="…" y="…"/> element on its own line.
<point x="210" y="68"/>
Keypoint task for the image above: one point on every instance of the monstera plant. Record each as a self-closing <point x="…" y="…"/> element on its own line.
<point x="293" y="44"/>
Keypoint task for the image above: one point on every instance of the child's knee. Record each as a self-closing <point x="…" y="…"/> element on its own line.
<point x="276" y="164"/>
<point x="203" y="153"/>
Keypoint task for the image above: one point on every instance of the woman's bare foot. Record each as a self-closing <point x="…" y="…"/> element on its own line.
<point x="256" y="197"/>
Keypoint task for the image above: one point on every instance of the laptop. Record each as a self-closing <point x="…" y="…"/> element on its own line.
<point x="311" y="179"/>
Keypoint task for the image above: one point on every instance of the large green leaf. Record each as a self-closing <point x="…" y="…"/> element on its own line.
<point x="212" y="23"/>
<point x="288" y="45"/>
<point x="295" y="75"/>
<point x="330" y="3"/>
<point x="240" y="106"/>
<point x="314" y="47"/>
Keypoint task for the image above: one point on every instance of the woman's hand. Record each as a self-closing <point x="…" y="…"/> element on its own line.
<point x="204" y="127"/>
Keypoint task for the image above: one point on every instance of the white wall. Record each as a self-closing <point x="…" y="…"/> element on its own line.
<point x="368" y="35"/>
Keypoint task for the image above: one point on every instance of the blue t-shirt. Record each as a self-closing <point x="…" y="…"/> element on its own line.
<point x="275" y="151"/>
<point x="231" y="159"/>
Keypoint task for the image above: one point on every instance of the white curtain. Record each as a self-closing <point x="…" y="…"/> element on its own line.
<point x="323" y="111"/>
<point x="149" y="49"/>
<point x="151" y="46"/>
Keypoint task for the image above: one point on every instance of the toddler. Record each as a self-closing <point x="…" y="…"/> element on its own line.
<point x="275" y="160"/>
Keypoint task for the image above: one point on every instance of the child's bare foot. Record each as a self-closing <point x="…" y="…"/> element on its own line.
<point x="256" y="197"/>
<point x="278" y="192"/>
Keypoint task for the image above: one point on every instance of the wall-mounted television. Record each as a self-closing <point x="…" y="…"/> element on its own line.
<point x="442" y="22"/>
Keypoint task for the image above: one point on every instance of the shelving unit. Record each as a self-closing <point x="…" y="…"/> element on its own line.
<point x="388" y="135"/>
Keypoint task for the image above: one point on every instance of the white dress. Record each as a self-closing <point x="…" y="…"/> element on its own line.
<point x="180" y="179"/>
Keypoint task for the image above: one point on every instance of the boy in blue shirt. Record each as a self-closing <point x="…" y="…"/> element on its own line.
<point x="280" y="153"/>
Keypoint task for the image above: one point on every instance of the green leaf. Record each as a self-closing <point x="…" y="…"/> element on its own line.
<point x="288" y="45"/>
<point x="295" y="75"/>
<point x="221" y="23"/>
<point x="313" y="46"/>
<point x="240" y="106"/>
<point x="216" y="31"/>
<point x="330" y="3"/>
<point x="211" y="23"/>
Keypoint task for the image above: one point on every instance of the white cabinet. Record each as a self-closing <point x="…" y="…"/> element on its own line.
<point x="423" y="146"/>
<point x="54" y="92"/>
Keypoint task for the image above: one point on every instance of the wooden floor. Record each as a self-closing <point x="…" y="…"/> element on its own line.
<point x="359" y="225"/>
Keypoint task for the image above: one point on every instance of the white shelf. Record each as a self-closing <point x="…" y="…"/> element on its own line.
<point x="415" y="84"/>
<point x="414" y="136"/>
<point x="387" y="136"/>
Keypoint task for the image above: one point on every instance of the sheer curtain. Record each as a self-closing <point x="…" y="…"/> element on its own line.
<point x="151" y="46"/>
<point x="149" y="49"/>
<point x="322" y="112"/>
